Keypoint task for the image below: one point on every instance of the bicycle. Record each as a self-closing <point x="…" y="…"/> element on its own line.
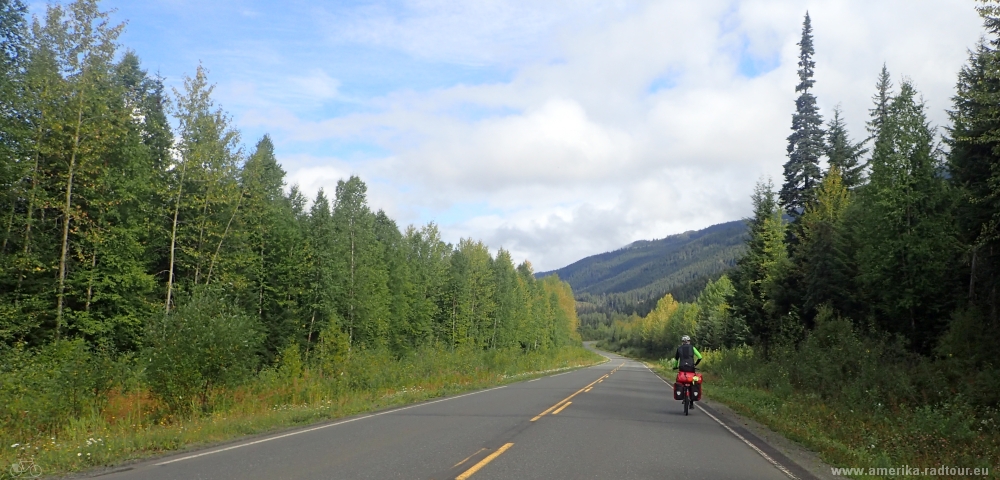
<point x="687" y="389"/>
<point x="25" y="469"/>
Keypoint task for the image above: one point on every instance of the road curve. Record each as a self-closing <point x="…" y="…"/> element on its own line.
<point x="613" y="420"/>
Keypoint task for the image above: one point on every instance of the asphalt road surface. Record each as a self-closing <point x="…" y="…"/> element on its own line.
<point x="617" y="420"/>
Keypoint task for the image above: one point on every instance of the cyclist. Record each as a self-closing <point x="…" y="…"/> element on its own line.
<point x="685" y="358"/>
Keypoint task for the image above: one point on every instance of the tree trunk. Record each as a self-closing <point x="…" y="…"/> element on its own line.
<point x="201" y="236"/>
<point x="351" y="293"/>
<point x="90" y="282"/>
<point x="260" y="297"/>
<point x="66" y="217"/>
<point x="309" y="337"/>
<point x="173" y="237"/>
<point x="972" y="274"/>
<point x="34" y="184"/>
<point x="10" y="224"/>
<point x="211" y="265"/>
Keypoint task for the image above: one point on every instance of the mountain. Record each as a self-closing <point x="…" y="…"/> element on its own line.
<point x="632" y="278"/>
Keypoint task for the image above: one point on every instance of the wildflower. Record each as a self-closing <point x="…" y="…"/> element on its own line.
<point x="14" y="445"/>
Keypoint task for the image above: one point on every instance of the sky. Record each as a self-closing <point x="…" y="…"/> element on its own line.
<point x="554" y="129"/>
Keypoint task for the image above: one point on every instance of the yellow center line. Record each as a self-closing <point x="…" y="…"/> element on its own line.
<point x="562" y="407"/>
<point x="467" y="458"/>
<point x="540" y="415"/>
<point x="588" y="389"/>
<point x="482" y="463"/>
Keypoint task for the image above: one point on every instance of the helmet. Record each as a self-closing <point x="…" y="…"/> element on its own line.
<point x="685" y="338"/>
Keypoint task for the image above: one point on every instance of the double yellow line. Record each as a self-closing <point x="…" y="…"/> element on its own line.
<point x="561" y="404"/>
<point x="558" y="407"/>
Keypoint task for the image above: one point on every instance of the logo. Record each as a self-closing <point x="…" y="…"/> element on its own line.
<point x="24" y="469"/>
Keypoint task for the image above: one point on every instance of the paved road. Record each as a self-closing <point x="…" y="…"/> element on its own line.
<point x="621" y="422"/>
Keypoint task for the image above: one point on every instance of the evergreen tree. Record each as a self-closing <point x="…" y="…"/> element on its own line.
<point x="823" y="255"/>
<point x="805" y="144"/>
<point x="842" y="153"/>
<point x="265" y="252"/>
<point x="974" y="163"/>
<point x="758" y="294"/>
<point x="883" y="96"/>
<point x="910" y="238"/>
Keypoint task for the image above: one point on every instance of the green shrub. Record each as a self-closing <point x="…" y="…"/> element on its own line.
<point x="40" y="388"/>
<point x="204" y="343"/>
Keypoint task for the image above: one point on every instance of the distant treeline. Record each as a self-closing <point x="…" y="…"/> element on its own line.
<point x="631" y="280"/>
<point x="111" y="221"/>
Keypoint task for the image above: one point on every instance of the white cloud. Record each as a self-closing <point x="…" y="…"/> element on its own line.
<point x="576" y="154"/>
<point x="318" y="85"/>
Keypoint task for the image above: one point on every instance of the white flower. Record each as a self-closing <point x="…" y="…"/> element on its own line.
<point x="78" y="454"/>
<point x="14" y="445"/>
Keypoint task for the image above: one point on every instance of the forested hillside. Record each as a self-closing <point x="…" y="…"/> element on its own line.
<point x="632" y="279"/>
<point x="175" y="263"/>
<point x="866" y="302"/>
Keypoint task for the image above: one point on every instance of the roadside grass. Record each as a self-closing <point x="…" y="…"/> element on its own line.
<point x="129" y="423"/>
<point x="865" y="434"/>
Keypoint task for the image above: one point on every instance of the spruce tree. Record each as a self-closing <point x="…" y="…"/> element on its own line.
<point x="906" y="222"/>
<point x="823" y="255"/>
<point x="974" y="164"/>
<point x="883" y="95"/>
<point x="758" y="277"/>
<point x="842" y="153"/>
<point x="805" y="144"/>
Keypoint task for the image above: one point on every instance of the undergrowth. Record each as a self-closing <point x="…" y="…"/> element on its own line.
<point x="858" y="401"/>
<point x="65" y="425"/>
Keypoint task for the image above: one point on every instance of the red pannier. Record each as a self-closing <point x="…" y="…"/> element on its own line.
<point x="688" y="377"/>
<point x="692" y="378"/>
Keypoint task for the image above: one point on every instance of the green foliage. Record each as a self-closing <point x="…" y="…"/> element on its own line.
<point x="40" y="388"/>
<point x="974" y="163"/>
<point x="709" y="322"/>
<point x="632" y="279"/>
<point x="806" y="144"/>
<point x="843" y="154"/>
<point x="906" y="220"/>
<point x="204" y="343"/>
<point x="825" y="267"/>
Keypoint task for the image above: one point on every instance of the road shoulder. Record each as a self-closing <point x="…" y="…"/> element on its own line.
<point x="800" y="461"/>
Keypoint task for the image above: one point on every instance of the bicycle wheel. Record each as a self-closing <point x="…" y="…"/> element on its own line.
<point x="35" y="471"/>
<point x="686" y="401"/>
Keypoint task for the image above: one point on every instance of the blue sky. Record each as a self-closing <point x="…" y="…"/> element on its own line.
<point x="555" y="129"/>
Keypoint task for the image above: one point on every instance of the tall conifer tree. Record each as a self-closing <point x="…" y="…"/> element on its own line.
<point x="974" y="163"/>
<point x="805" y="144"/>
<point x="910" y="246"/>
<point x="842" y="153"/>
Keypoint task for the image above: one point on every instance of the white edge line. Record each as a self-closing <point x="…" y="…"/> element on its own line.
<point x="751" y="445"/>
<point x="322" y="427"/>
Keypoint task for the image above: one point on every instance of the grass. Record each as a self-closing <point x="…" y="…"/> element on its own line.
<point x="861" y="434"/>
<point x="129" y="424"/>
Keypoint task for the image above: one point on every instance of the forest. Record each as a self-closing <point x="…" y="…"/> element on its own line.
<point x="865" y="309"/>
<point x="632" y="279"/>
<point x="149" y="258"/>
